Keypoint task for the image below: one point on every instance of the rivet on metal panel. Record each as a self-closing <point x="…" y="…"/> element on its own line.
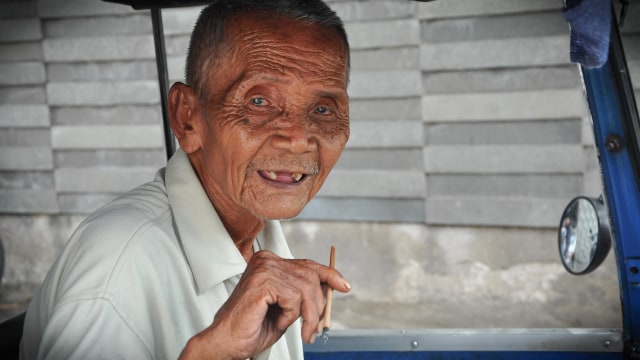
<point x="606" y="343"/>
<point x="633" y="270"/>
<point x="613" y="143"/>
<point x="414" y="344"/>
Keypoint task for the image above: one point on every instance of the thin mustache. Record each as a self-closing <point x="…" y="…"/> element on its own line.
<point x="308" y="167"/>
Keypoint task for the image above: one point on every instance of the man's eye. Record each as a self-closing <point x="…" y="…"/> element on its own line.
<point x="258" y="101"/>
<point x="323" y="110"/>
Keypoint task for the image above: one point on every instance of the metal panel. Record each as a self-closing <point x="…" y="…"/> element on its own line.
<point x="471" y="340"/>
<point x="462" y="355"/>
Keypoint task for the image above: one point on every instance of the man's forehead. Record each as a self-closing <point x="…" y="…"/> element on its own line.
<point x="279" y="26"/>
<point x="269" y="43"/>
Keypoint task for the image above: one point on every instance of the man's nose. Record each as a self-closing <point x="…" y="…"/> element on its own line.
<point x="294" y="134"/>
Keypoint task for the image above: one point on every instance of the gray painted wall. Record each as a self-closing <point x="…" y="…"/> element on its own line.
<point x="465" y="114"/>
<point x="460" y="113"/>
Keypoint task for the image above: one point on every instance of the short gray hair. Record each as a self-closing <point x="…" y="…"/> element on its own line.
<point x="208" y="33"/>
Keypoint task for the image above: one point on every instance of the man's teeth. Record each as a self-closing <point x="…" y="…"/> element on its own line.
<point x="273" y="176"/>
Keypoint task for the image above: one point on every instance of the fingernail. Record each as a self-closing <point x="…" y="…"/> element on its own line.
<point x="347" y="285"/>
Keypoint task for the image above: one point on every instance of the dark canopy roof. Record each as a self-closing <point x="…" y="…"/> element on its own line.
<point x="159" y="4"/>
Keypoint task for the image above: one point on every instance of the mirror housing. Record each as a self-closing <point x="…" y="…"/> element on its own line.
<point x="584" y="235"/>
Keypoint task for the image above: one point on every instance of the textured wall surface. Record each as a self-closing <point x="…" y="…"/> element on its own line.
<point x="470" y="133"/>
<point x="459" y="112"/>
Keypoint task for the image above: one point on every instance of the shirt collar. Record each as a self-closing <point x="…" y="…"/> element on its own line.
<point x="210" y="251"/>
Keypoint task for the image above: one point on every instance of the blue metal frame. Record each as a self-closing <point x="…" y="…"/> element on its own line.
<point x="477" y="344"/>
<point x="613" y="111"/>
<point x="462" y="355"/>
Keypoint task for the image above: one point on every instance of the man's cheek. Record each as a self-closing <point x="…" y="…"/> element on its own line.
<point x="336" y="131"/>
<point x="334" y="143"/>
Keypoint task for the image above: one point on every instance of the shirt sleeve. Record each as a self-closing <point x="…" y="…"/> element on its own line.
<point x="90" y="329"/>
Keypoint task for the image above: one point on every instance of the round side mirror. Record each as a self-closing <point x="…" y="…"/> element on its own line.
<point x="584" y="235"/>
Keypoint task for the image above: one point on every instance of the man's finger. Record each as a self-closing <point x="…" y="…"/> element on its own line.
<point x="331" y="277"/>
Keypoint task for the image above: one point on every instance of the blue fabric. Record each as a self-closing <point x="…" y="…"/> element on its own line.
<point x="590" y="22"/>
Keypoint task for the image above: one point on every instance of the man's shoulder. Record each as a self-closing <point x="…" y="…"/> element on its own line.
<point x="112" y="262"/>
<point x="131" y="215"/>
<point x="122" y="232"/>
<point x="147" y="202"/>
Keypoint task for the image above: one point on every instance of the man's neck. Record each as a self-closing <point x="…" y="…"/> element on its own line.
<point x="243" y="233"/>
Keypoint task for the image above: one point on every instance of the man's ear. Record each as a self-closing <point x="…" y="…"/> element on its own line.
<point x="184" y="116"/>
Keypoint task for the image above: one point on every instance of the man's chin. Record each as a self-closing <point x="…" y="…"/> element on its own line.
<point x="286" y="213"/>
<point x="269" y="206"/>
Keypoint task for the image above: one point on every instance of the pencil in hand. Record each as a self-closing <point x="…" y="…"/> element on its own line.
<point x="327" y="307"/>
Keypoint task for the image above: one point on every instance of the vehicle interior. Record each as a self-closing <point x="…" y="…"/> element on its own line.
<point x="486" y="205"/>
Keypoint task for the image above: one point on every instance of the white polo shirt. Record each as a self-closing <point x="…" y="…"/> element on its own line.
<point x="142" y="275"/>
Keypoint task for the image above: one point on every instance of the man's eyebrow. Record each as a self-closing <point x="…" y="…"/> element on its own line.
<point x="334" y="94"/>
<point x="275" y="78"/>
<point x="266" y="77"/>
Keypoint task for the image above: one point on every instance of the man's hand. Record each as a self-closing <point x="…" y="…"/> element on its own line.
<point x="271" y="295"/>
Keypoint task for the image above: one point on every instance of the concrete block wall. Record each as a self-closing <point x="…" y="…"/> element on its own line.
<point x="80" y="110"/>
<point x="103" y="94"/>
<point x="631" y="40"/>
<point x="507" y="134"/>
<point x="449" y="105"/>
<point x="26" y="164"/>
<point x="380" y="176"/>
<point x="502" y="111"/>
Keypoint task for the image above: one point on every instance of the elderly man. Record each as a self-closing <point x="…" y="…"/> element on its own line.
<point x="194" y="264"/>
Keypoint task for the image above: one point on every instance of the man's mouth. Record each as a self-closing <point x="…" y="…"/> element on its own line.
<point x="282" y="176"/>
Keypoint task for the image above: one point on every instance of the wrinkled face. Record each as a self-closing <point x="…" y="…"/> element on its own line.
<point x="275" y="119"/>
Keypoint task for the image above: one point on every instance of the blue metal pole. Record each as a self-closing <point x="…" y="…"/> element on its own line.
<point x="615" y="124"/>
